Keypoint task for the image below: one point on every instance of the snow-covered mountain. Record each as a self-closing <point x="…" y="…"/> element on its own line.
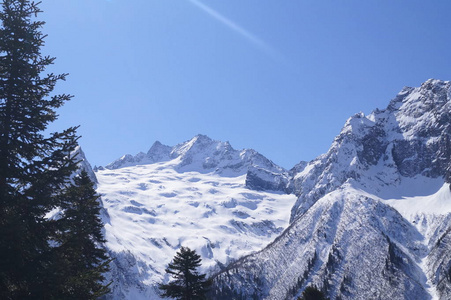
<point x="410" y="137"/>
<point x="373" y="215"/>
<point x="195" y="194"/>
<point x="204" y="155"/>
<point x="369" y="219"/>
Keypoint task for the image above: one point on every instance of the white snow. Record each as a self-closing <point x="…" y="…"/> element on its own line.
<point x="425" y="203"/>
<point x="193" y="194"/>
<point x="411" y="197"/>
<point x="438" y="203"/>
<point x="154" y="209"/>
<point x="378" y="197"/>
<point x="424" y="212"/>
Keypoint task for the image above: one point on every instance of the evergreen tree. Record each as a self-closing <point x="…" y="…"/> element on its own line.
<point x="188" y="284"/>
<point x="312" y="293"/>
<point x="81" y="258"/>
<point x="35" y="169"/>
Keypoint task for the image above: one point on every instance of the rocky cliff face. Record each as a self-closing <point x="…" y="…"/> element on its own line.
<point x="410" y="137"/>
<point x="372" y="216"/>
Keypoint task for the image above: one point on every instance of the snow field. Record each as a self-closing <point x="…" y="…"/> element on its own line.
<point x="154" y="210"/>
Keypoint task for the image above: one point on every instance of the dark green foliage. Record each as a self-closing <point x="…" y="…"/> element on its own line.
<point x="34" y="169"/>
<point x="224" y="292"/>
<point x="444" y="152"/>
<point x="81" y="259"/>
<point x="188" y="284"/>
<point x="394" y="260"/>
<point x="312" y="293"/>
<point x="311" y="262"/>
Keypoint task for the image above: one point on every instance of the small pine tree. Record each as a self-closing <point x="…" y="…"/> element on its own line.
<point x="82" y="259"/>
<point x="312" y="293"/>
<point x="188" y="284"/>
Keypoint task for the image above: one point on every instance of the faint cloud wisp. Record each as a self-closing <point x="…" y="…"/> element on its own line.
<point x="261" y="45"/>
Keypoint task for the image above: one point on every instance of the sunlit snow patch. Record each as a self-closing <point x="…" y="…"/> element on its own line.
<point x="153" y="210"/>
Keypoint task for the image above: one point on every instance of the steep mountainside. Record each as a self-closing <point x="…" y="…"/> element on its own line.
<point x="194" y="195"/>
<point x="410" y="137"/>
<point x="372" y="219"/>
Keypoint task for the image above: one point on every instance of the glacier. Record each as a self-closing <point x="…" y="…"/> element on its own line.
<point x="194" y="195"/>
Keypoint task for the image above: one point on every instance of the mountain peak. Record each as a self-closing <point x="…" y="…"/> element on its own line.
<point x="380" y="187"/>
<point x="83" y="164"/>
<point x="433" y="82"/>
<point x="202" y="138"/>
<point x="409" y="138"/>
<point x="199" y="143"/>
<point x="156" y="144"/>
<point x="203" y="154"/>
<point x="158" y="152"/>
<point x="432" y="91"/>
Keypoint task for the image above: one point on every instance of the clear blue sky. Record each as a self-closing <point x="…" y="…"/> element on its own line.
<point x="279" y="76"/>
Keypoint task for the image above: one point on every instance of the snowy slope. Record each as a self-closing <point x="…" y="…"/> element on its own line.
<point x="352" y="245"/>
<point x="372" y="218"/>
<point x="194" y="197"/>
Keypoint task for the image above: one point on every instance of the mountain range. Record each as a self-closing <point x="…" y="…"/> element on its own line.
<point x="372" y="218"/>
<point x="369" y="219"/>
<point x="195" y="194"/>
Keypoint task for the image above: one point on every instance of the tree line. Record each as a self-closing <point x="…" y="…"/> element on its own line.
<point x="188" y="284"/>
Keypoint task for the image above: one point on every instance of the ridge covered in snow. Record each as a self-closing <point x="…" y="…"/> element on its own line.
<point x="194" y="194"/>
<point x="204" y="155"/>
<point x="200" y="154"/>
<point x="408" y="138"/>
<point x="350" y="245"/>
<point x="372" y="218"/>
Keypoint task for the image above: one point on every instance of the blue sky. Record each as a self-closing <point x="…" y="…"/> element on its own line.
<point x="279" y="76"/>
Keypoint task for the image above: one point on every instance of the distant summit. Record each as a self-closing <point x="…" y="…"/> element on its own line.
<point x="200" y="153"/>
<point x="205" y="155"/>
